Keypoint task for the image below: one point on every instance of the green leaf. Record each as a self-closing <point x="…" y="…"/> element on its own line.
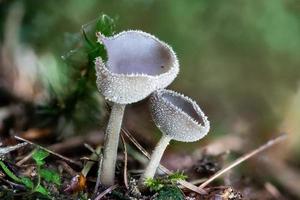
<point x="9" y="173"/>
<point x="39" y="155"/>
<point x="42" y="190"/>
<point x="27" y="182"/>
<point x="50" y="176"/>
<point x="170" y="193"/>
<point x="105" y="25"/>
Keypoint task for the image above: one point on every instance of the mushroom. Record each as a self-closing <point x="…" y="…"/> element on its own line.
<point x="138" y="64"/>
<point x="179" y="118"/>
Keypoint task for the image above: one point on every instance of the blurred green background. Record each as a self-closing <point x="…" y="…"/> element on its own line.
<point x="240" y="60"/>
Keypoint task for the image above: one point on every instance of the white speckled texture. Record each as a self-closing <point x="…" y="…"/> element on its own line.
<point x="155" y="158"/>
<point x="111" y="144"/>
<point x="138" y="64"/>
<point x="178" y="116"/>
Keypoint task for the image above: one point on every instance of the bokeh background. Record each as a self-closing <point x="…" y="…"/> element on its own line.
<point x="240" y="60"/>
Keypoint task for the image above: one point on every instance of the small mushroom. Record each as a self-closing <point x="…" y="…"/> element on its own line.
<point x="138" y="64"/>
<point x="179" y="118"/>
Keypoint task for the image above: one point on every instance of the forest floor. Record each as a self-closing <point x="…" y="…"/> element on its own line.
<point x="69" y="170"/>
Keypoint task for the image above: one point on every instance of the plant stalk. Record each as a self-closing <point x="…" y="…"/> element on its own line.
<point x="155" y="159"/>
<point x="111" y="144"/>
<point x="87" y="167"/>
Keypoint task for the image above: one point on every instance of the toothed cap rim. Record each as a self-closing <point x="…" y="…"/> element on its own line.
<point x="178" y="116"/>
<point x="130" y="87"/>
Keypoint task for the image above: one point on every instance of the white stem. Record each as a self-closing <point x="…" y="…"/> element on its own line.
<point x="111" y="144"/>
<point x="155" y="158"/>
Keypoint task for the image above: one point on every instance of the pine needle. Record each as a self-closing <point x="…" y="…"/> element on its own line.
<point x="51" y="152"/>
<point x="243" y="158"/>
<point x="105" y="192"/>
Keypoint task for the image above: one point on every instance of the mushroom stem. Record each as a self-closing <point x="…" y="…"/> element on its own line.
<point x="155" y="158"/>
<point x="111" y="144"/>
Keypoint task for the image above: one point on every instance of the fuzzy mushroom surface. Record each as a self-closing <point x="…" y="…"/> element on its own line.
<point x="138" y="64"/>
<point x="179" y="118"/>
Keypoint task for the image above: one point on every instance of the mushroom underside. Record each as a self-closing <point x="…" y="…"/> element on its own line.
<point x="184" y="105"/>
<point x="137" y="55"/>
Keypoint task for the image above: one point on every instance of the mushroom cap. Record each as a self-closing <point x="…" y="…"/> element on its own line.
<point x="138" y="64"/>
<point x="178" y="116"/>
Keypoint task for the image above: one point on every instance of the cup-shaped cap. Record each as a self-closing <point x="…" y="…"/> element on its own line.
<point x="138" y="64"/>
<point x="178" y="116"/>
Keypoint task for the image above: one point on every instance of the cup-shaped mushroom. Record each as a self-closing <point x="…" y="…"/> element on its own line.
<point x="138" y="64"/>
<point x="178" y="116"/>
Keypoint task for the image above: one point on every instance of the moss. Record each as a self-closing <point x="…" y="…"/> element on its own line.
<point x="170" y="193"/>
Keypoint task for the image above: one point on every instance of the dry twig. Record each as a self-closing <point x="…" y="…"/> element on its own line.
<point x="5" y="150"/>
<point x="67" y="168"/>
<point x="105" y="192"/>
<point x="23" y="160"/>
<point x="243" y="158"/>
<point x="98" y="173"/>
<point x="52" y="152"/>
<point x="95" y="156"/>
<point x="273" y="191"/>
<point x="12" y="184"/>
